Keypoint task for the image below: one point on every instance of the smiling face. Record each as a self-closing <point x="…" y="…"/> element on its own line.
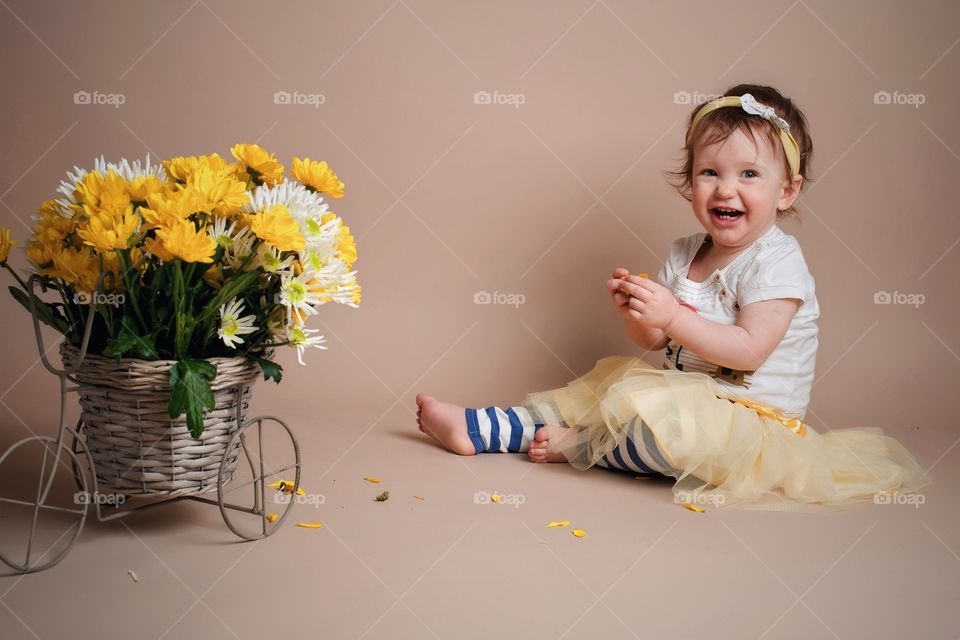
<point x="744" y="177"/>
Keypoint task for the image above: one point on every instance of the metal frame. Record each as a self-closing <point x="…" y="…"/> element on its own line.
<point x="61" y="453"/>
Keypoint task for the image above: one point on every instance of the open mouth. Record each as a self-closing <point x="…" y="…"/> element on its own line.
<point x="726" y="214"/>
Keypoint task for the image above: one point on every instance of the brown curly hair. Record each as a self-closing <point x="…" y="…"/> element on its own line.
<point x="720" y="124"/>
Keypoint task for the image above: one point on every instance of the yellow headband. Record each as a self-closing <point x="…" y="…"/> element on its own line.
<point x="751" y="106"/>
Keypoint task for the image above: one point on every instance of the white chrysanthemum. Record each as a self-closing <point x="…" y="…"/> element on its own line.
<point x="300" y="201"/>
<point x="223" y="235"/>
<point x="232" y="325"/>
<point x="68" y="187"/>
<point x="322" y="237"/>
<point x="271" y="260"/>
<point x="297" y="294"/>
<point x="300" y="338"/>
<point x="130" y="170"/>
<point x="241" y="253"/>
<point x="330" y="281"/>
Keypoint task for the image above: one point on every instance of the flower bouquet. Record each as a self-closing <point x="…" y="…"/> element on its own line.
<point x="198" y="259"/>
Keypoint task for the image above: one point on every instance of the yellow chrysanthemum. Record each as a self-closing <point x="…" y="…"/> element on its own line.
<point x="5" y="244"/>
<point x="346" y="244"/>
<point x="218" y="191"/>
<point x="278" y="228"/>
<point x="142" y="187"/>
<point x="39" y="254"/>
<point x="155" y="247"/>
<point x="78" y="267"/>
<point x="110" y="230"/>
<point x="214" y="277"/>
<point x="184" y="241"/>
<point x="167" y="210"/>
<point x="52" y="228"/>
<point x="181" y="168"/>
<point x="96" y="192"/>
<point x="317" y="176"/>
<point x="260" y="166"/>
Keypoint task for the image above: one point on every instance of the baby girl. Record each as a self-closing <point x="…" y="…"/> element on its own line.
<point x="734" y="307"/>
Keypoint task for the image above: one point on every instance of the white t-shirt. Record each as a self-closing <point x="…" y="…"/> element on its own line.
<point x="772" y="267"/>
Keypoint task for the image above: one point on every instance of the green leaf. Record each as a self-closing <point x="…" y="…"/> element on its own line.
<point x="190" y="392"/>
<point x="45" y="311"/>
<point x="231" y="288"/>
<point x="129" y="340"/>
<point x="271" y="370"/>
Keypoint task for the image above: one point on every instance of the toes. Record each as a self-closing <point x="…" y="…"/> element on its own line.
<point x="541" y="435"/>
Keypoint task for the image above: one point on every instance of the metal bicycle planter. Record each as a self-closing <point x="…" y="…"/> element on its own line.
<point x="71" y="456"/>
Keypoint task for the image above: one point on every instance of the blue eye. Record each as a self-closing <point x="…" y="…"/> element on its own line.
<point x="750" y="173"/>
<point x="708" y="172"/>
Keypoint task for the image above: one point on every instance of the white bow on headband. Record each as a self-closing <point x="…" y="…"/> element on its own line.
<point x="751" y="106"/>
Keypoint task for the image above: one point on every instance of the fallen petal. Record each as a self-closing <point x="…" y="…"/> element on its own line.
<point x="371" y="479"/>
<point x="272" y="517"/>
<point x="310" y="525"/>
<point x="692" y="507"/>
<point x="560" y="523"/>
<point x="580" y="533"/>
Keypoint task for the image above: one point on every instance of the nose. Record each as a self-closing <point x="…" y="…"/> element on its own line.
<point x="726" y="188"/>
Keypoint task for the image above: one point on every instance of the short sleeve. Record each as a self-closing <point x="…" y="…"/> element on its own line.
<point x="778" y="272"/>
<point x="674" y="260"/>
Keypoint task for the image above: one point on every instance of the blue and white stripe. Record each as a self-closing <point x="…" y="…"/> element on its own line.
<point x="638" y="453"/>
<point x="495" y="430"/>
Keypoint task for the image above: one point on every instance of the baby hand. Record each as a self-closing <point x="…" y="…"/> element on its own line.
<point x="620" y="299"/>
<point x="649" y="302"/>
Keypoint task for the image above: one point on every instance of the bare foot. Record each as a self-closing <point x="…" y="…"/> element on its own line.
<point x="446" y="423"/>
<point x="546" y="442"/>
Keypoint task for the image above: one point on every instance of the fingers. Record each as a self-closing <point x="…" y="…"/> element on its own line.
<point x="620" y="272"/>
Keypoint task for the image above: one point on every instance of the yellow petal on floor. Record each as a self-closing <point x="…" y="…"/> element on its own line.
<point x="419" y="497"/>
<point x="310" y="525"/>
<point x="580" y="533"/>
<point x="271" y="517"/>
<point x="642" y="275"/>
<point x="692" y="507"/>
<point x="560" y="523"/>
<point x="286" y="486"/>
<point x="371" y="479"/>
<point x="496" y="498"/>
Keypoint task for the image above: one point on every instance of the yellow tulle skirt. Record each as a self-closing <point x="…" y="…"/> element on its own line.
<point x="723" y="451"/>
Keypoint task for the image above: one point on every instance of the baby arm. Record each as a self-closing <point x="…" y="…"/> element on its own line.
<point x="743" y="346"/>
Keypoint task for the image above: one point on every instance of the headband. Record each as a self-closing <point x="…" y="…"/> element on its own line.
<point x="749" y="104"/>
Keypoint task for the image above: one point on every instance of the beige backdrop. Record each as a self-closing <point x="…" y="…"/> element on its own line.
<point x="538" y="193"/>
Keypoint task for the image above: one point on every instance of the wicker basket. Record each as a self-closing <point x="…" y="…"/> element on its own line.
<point x="136" y="447"/>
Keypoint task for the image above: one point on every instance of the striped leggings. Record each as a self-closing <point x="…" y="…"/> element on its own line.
<point x="494" y="430"/>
